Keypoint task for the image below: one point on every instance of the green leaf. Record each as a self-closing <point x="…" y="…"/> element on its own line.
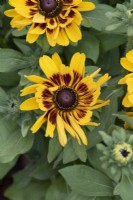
<point x="54" y="149"/>
<point x="3" y="96"/>
<point x="80" y="150"/>
<point x="88" y="45"/>
<point x="18" y="33"/>
<point x="11" y="141"/>
<point x="41" y="170"/>
<point x="69" y="154"/>
<point x="125" y="188"/>
<point x="110" y="59"/>
<point x="86" y="181"/>
<point x="36" y="190"/>
<point x="124" y="117"/>
<point x="12" y="79"/>
<point x="97" y="17"/>
<point x="57" y="191"/>
<point x="43" y="43"/>
<point x="6" y="167"/>
<point x="11" y="60"/>
<point x="111" y="41"/>
<point x="75" y="196"/>
<point x="23" y="46"/>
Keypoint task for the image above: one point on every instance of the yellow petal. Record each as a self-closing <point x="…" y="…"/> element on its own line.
<point x="51" y="36"/>
<point x="126" y="102"/>
<point x="38" y="18"/>
<point x="62" y="38"/>
<point x="83" y="120"/>
<point x="35" y="79"/>
<point x="10" y="13"/>
<point x="31" y="38"/>
<point x="77" y="17"/>
<point x="21" y="8"/>
<point x="48" y="66"/>
<point x="61" y="131"/>
<point x="79" y="130"/>
<point x="86" y="6"/>
<point x="130" y="97"/>
<point x="126" y="64"/>
<point x="57" y="60"/>
<point x="51" y="123"/>
<point x="37" y="125"/>
<point x="70" y="130"/>
<point x="103" y="79"/>
<point x="129" y="82"/>
<point x="73" y="32"/>
<point x="37" y="29"/>
<point x="100" y="105"/>
<point x="129" y="56"/>
<point x="29" y="104"/>
<point x="95" y="73"/>
<point x="93" y="124"/>
<point x="78" y="63"/>
<point x="29" y="90"/>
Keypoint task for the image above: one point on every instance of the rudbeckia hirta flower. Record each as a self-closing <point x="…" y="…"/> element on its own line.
<point x="127" y="63"/>
<point x="58" y="19"/>
<point x="116" y="153"/>
<point x="123" y="153"/>
<point x="66" y="97"/>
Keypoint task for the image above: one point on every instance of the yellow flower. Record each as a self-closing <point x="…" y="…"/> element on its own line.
<point x="127" y="63"/>
<point x="66" y="97"/>
<point x="123" y="153"/>
<point x="58" y="19"/>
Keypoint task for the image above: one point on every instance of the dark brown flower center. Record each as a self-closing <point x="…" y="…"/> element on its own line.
<point x="50" y="8"/>
<point x="65" y="98"/>
<point x="125" y="153"/>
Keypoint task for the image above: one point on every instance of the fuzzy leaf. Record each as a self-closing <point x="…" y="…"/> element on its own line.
<point x="86" y="181"/>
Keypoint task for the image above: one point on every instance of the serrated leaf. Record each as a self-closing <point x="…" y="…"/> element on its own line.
<point x="86" y="181"/>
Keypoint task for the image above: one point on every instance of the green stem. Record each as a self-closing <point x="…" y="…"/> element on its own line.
<point x="129" y="44"/>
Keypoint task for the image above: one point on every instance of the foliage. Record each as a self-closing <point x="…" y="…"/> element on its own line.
<point x="73" y="172"/>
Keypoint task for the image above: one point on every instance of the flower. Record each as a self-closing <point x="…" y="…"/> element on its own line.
<point x="58" y="19"/>
<point x="117" y="151"/>
<point x="123" y="153"/>
<point x="66" y="97"/>
<point x="127" y="63"/>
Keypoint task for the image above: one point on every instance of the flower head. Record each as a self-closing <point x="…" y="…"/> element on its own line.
<point x="117" y="153"/>
<point x="66" y="97"/>
<point x="127" y="63"/>
<point x="58" y="19"/>
<point x="123" y="153"/>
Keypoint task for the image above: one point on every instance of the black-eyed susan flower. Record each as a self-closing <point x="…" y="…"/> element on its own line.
<point x="58" y="19"/>
<point x="117" y="153"/>
<point x="127" y="63"/>
<point x="123" y="153"/>
<point x="66" y="97"/>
